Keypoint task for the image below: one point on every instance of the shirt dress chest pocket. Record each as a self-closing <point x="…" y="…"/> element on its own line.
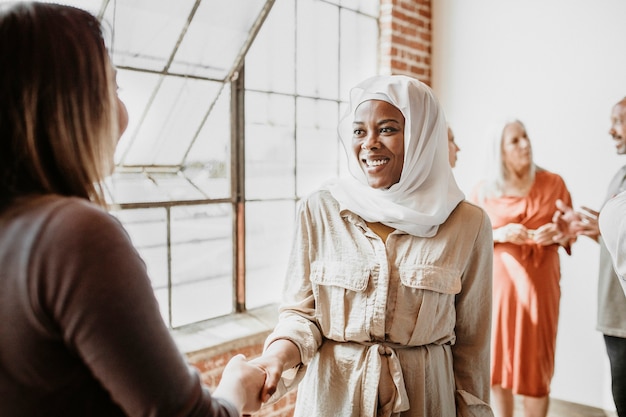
<point x="439" y="279"/>
<point x="425" y="304"/>
<point x="340" y="291"/>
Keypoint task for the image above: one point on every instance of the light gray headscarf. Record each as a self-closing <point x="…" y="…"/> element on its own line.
<point x="427" y="192"/>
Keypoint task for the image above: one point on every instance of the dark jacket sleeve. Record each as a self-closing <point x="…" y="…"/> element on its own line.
<point x="94" y="289"/>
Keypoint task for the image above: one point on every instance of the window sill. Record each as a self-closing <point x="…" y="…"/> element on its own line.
<point x="227" y="333"/>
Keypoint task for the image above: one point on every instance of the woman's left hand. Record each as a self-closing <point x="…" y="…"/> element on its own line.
<point x="544" y="235"/>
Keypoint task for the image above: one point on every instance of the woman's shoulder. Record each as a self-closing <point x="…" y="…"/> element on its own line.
<point x="548" y="177"/>
<point x="322" y="198"/>
<point x="471" y="211"/>
<point x="467" y="220"/>
<point x="62" y="219"/>
<point x="72" y="209"/>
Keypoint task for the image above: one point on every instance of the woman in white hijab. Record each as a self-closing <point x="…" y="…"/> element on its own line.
<point x="387" y="301"/>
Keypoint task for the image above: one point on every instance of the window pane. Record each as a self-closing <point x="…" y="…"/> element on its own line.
<point x="270" y="147"/>
<point x="364" y="6"/>
<point x="269" y="229"/>
<point x="147" y="229"/>
<point x="215" y="37"/>
<point x="146" y="31"/>
<point x="135" y="89"/>
<point x="318" y="49"/>
<point x="169" y="124"/>
<point x="208" y="163"/>
<point x="270" y="60"/>
<point x="318" y="147"/>
<point x="359" y="57"/>
<point x="213" y="140"/>
<point x="133" y="187"/>
<point x="212" y="179"/>
<point x="202" y="253"/>
<point x="176" y="186"/>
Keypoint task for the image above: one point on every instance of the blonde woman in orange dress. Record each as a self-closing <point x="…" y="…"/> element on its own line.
<point x="520" y="200"/>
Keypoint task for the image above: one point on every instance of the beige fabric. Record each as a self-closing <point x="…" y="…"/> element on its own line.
<point x="612" y="224"/>
<point x="423" y="305"/>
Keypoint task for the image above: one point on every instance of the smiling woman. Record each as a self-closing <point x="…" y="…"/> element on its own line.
<point x="378" y="142"/>
<point x="370" y="288"/>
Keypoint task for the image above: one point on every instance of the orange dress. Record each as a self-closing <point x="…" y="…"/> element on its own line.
<point x="526" y="290"/>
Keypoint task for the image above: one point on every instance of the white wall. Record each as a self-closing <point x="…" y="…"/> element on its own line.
<point x="559" y="66"/>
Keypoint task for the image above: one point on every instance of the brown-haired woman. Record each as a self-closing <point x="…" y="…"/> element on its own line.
<point x="81" y="330"/>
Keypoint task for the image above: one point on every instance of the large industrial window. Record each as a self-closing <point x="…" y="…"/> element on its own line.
<point x="233" y="111"/>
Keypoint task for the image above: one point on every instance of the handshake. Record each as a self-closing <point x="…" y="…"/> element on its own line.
<point x="249" y="384"/>
<point x="241" y="384"/>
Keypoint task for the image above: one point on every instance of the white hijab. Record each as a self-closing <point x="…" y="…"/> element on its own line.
<point x="427" y="192"/>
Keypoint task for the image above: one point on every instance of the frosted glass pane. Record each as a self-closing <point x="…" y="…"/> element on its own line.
<point x="359" y="50"/>
<point x="269" y="230"/>
<point x="213" y="142"/>
<point x="133" y="187"/>
<point x="318" y="49"/>
<point x="270" y="146"/>
<point x="167" y="130"/>
<point x="202" y="253"/>
<point x="215" y="37"/>
<point x="318" y="147"/>
<point x="364" y="6"/>
<point x="270" y="60"/>
<point x="135" y="89"/>
<point x="146" y="31"/>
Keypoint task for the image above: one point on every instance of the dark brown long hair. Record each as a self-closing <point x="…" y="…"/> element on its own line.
<point x="58" y="118"/>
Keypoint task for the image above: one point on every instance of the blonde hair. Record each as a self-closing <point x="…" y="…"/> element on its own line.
<point x="497" y="173"/>
<point x="58" y="119"/>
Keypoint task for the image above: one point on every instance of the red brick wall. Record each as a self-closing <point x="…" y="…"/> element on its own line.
<point x="405" y="48"/>
<point x="405" y="38"/>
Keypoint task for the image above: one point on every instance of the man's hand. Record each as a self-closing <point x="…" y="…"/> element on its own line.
<point x="571" y="224"/>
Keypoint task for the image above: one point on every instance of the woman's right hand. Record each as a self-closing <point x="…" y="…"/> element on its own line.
<point x="511" y="233"/>
<point x="279" y="356"/>
<point x="273" y="369"/>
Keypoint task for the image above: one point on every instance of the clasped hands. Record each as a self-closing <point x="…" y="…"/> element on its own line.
<point x="242" y="384"/>
<point x="567" y="224"/>
<point x="519" y="234"/>
<point x="249" y="384"/>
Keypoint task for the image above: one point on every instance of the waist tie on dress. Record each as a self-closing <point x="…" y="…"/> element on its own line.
<point x="373" y="359"/>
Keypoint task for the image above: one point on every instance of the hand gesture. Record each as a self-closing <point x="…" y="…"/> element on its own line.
<point x="280" y="355"/>
<point x="512" y="233"/>
<point x="241" y="384"/>
<point x="571" y="224"/>
<point x="545" y="235"/>
<point x="273" y="369"/>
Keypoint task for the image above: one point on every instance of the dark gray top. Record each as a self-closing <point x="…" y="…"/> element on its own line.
<point x="80" y="329"/>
